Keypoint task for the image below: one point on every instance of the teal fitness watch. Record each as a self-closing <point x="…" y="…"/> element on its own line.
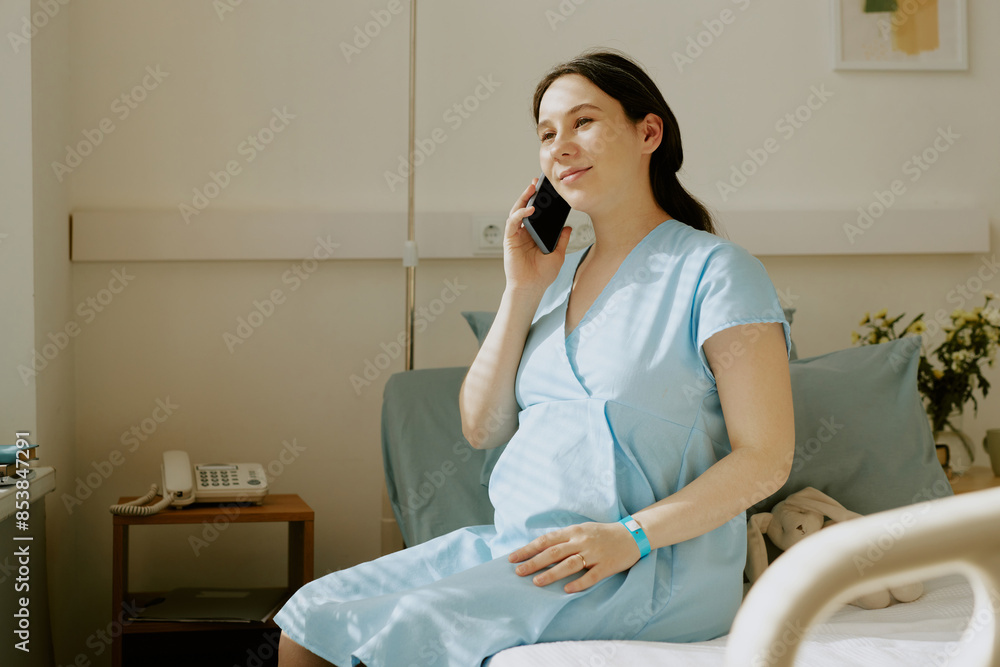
<point x="638" y="534"/>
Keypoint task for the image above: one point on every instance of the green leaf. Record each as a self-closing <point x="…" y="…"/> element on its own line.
<point x="872" y="6"/>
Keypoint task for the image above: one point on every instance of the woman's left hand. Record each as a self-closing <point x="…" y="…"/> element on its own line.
<point x="606" y="548"/>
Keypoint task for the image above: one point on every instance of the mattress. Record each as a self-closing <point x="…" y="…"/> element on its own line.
<point x="928" y="631"/>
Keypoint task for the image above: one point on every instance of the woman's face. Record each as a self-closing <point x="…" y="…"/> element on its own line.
<point x="582" y="129"/>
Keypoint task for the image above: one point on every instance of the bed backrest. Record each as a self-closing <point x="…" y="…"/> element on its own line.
<point x="435" y="479"/>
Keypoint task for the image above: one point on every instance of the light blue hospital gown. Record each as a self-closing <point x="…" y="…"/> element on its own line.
<point x="621" y="413"/>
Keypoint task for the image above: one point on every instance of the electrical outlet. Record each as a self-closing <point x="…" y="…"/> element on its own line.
<point x="487" y="236"/>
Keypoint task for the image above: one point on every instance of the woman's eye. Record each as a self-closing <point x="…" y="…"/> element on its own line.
<point x="548" y="135"/>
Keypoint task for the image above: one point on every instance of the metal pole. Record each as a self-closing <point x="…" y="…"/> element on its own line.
<point x="410" y="252"/>
<point x="392" y="537"/>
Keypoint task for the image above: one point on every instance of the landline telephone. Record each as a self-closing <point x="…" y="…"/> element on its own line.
<point x="209" y="482"/>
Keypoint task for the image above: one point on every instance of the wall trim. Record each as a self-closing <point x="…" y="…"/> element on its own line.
<point x="140" y="235"/>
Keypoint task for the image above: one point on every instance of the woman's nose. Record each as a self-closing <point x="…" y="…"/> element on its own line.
<point x="560" y="147"/>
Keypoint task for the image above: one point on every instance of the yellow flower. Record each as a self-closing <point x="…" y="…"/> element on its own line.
<point x="855" y="337"/>
<point x="938" y="374"/>
<point x="917" y="327"/>
<point x="958" y="314"/>
<point x="873" y="337"/>
<point x="882" y="313"/>
<point x="865" y="320"/>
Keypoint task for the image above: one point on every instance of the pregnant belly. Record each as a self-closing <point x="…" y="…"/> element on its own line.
<point x="557" y="470"/>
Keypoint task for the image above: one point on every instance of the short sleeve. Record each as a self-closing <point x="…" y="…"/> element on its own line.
<point x="733" y="289"/>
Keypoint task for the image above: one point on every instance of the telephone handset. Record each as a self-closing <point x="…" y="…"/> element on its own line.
<point x="209" y="482"/>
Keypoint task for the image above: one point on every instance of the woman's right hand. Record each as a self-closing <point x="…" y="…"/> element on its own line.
<point x="525" y="265"/>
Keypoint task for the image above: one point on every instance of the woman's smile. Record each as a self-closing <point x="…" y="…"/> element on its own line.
<point x="574" y="176"/>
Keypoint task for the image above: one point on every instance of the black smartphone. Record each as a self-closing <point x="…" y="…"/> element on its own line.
<point x="549" y="216"/>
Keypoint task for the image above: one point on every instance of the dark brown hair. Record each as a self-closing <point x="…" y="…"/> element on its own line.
<point x="625" y="81"/>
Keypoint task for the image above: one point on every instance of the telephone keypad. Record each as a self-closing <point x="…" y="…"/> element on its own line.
<point x="225" y="481"/>
<point x="217" y="478"/>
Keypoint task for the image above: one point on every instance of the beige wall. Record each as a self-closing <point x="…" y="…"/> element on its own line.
<point x="17" y="327"/>
<point x="55" y="385"/>
<point x="161" y="337"/>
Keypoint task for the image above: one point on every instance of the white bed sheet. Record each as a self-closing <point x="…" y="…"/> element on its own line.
<point x="927" y="631"/>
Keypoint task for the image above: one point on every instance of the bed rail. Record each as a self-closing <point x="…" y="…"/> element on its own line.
<point x="817" y="576"/>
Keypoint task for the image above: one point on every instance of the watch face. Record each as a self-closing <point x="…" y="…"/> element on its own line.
<point x="632" y="525"/>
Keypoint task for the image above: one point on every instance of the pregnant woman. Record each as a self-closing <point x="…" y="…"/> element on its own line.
<point x="647" y="387"/>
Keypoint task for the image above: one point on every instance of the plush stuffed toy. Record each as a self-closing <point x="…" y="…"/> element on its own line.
<point x="797" y="516"/>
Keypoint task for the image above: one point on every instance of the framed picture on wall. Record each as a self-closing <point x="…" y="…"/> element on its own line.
<point x="900" y="34"/>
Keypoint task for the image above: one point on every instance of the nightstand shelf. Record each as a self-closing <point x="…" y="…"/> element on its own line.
<point x="281" y="508"/>
<point x="141" y="599"/>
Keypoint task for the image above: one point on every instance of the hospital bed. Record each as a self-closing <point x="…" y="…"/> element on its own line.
<point x="797" y="611"/>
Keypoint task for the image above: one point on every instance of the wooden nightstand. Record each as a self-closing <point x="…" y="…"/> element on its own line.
<point x="277" y="507"/>
<point x="976" y="478"/>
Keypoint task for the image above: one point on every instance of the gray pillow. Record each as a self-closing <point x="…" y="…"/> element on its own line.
<point x="481" y="320"/>
<point x="861" y="432"/>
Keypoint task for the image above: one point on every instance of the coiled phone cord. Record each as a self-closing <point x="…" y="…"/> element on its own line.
<point x="132" y="508"/>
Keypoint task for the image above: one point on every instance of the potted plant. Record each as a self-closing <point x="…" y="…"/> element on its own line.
<point x="946" y="388"/>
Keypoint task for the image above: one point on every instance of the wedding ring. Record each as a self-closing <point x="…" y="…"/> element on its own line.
<point x="584" y="561"/>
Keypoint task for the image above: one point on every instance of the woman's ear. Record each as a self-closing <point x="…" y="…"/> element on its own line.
<point x="651" y="128"/>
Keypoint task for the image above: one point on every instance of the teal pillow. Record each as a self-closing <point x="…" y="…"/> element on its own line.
<point x="481" y="320"/>
<point x="861" y="432"/>
<point x="793" y="354"/>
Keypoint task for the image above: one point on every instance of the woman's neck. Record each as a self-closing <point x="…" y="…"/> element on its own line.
<point x="615" y="236"/>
